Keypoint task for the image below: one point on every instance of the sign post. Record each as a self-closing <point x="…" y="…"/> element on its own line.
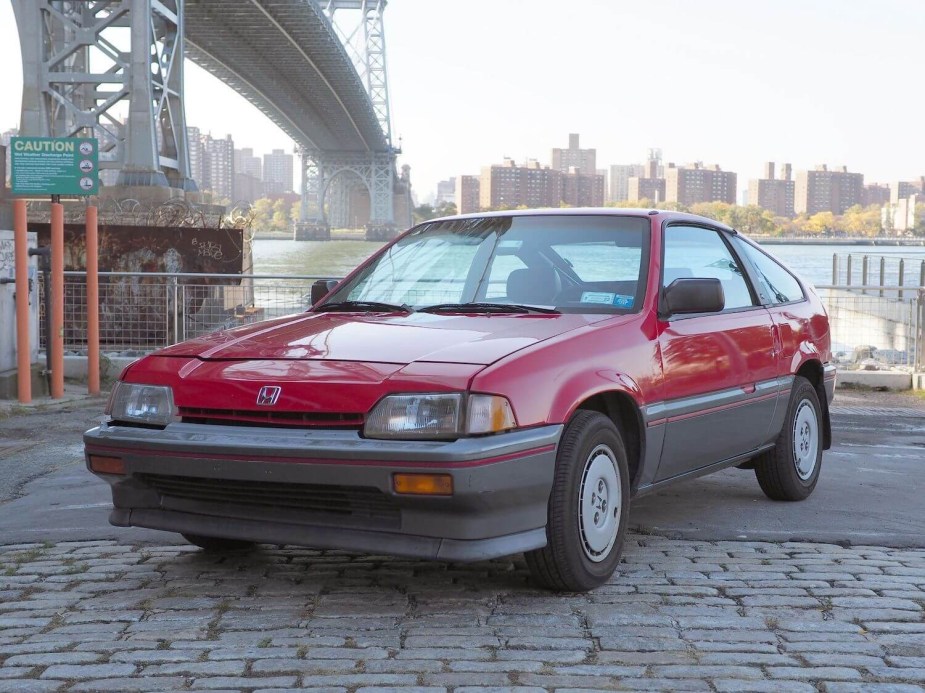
<point x="56" y="166"/>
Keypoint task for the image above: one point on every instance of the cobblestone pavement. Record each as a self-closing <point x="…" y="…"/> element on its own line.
<point x="680" y="615"/>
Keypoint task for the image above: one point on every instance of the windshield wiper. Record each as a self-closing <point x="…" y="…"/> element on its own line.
<point x="363" y="306"/>
<point x="487" y="308"/>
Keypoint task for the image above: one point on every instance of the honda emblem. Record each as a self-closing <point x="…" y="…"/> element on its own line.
<point x="268" y="395"/>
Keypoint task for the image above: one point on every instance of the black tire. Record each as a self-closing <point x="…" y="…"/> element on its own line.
<point x="790" y="470"/>
<point x="218" y="544"/>
<point x="584" y="541"/>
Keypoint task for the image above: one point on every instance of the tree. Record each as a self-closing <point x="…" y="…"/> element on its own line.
<point x="280" y="219"/>
<point x="445" y="209"/>
<point x="263" y="214"/>
<point x="919" y="228"/>
<point x="423" y="213"/>
<point x="861" y="221"/>
<point x="821" y="222"/>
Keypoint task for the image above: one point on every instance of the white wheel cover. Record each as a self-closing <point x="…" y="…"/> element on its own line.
<point x="805" y="437"/>
<point x="600" y="500"/>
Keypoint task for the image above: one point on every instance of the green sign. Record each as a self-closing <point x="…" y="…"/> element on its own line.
<point x="54" y="165"/>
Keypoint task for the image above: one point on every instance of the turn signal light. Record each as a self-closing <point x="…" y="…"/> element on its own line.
<point x="107" y="465"/>
<point x="423" y="484"/>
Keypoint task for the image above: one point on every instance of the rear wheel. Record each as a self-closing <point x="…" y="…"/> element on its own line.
<point x="790" y="470"/>
<point x="588" y="507"/>
<point x="218" y="544"/>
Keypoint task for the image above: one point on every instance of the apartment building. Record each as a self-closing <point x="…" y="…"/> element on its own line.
<point x="825" y="190"/>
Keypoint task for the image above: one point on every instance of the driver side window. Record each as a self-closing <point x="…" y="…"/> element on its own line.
<point x="693" y="251"/>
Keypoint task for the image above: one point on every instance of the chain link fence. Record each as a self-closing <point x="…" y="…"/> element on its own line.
<point x="140" y="312"/>
<point x="874" y="332"/>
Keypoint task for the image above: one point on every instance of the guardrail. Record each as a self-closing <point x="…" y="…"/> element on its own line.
<point x="140" y="312"/>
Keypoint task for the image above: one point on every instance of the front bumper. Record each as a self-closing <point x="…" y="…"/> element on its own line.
<point x="332" y="489"/>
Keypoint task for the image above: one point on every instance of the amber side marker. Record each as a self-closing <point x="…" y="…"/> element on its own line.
<point x="107" y="465"/>
<point x="423" y="484"/>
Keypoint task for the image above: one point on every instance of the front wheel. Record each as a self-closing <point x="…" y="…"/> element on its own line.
<point x="588" y="507"/>
<point x="790" y="470"/>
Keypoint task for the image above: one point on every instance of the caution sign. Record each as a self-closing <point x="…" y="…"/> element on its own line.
<point x="54" y="165"/>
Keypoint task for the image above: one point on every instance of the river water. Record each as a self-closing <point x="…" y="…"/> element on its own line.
<point x="812" y="262"/>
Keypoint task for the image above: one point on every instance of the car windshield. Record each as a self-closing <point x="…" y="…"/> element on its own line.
<point x="573" y="263"/>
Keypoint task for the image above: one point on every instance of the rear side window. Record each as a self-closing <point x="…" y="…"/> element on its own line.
<point x="775" y="284"/>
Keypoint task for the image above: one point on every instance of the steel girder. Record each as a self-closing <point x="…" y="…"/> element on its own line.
<point x="365" y="44"/>
<point x="285" y="58"/>
<point x="81" y="78"/>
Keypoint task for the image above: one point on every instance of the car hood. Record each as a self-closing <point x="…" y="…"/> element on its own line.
<point x="474" y="339"/>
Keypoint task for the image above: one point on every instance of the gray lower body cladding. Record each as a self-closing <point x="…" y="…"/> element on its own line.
<point x="333" y="489"/>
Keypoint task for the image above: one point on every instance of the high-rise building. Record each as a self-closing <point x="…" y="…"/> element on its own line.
<point x="467" y="194"/>
<point x="688" y="185"/>
<point x="277" y="172"/>
<point x="197" y="157"/>
<point x="220" y="159"/>
<point x="582" y="189"/>
<point x="652" y="189"/>
<point x="574" y="157"/>
<point x="772" y="193"/>
<point x="823" y="190"/>
<point x="446" y="192"/>
<point x="902" y="189"/>
<point x="650" y="184"/>
<point x="248" y="175"/>
<point x="620" y="175"/>
<point x="875" y="194"/>
<point x="508" y="186"/>
<point x="245" y="162"/>
<point x="247" y="188"/>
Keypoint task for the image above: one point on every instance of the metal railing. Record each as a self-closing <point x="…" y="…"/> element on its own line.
<point x="882" y="274"/>
<point x="140" y="312"/>
<point x="143" y="311"/>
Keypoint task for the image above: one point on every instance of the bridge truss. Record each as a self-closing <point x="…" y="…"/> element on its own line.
<point x="113" y="69"/>
<point x="110" y="70"/>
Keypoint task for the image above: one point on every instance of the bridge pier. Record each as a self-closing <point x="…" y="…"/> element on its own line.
<point x="327" y="181"/>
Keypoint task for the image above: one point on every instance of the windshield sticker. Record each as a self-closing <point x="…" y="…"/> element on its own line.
<point x="601" y="297"/>
<point x="623" y="301"/>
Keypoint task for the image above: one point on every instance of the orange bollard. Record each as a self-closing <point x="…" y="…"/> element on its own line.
<point x="93" y="304"/>
<point x="56" y="338"/>
<point x="21" y="253"/>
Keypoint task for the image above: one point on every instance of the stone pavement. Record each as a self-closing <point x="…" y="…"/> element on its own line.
<point x="680" y="615"/>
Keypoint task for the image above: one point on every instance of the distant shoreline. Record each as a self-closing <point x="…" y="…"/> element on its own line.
<point x="829" y="240"/>
<point x="359" y="235"/>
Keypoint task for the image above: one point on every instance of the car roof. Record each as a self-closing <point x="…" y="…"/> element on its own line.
<point x="662" y="214"/>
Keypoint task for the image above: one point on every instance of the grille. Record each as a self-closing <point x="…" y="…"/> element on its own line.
<point x="309" y="501"/>
<point x="288" y="419"/>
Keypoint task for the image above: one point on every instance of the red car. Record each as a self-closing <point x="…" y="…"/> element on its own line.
<point x="484" y="385"/>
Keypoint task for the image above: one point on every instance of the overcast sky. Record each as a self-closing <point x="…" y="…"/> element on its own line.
<point x="733" y="82"/>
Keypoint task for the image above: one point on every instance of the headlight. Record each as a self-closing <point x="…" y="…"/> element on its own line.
<point x="438" y="416"/>
<point x="147" y="404"/>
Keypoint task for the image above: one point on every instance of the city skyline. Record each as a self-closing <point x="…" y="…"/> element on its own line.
<point x="821" y="81"/>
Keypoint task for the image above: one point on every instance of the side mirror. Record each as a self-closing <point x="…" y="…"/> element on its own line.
<point x="321" y="288"/>
<point x="695" y="295"/>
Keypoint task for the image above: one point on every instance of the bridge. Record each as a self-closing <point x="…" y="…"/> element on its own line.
<point x="316" y="68"/>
